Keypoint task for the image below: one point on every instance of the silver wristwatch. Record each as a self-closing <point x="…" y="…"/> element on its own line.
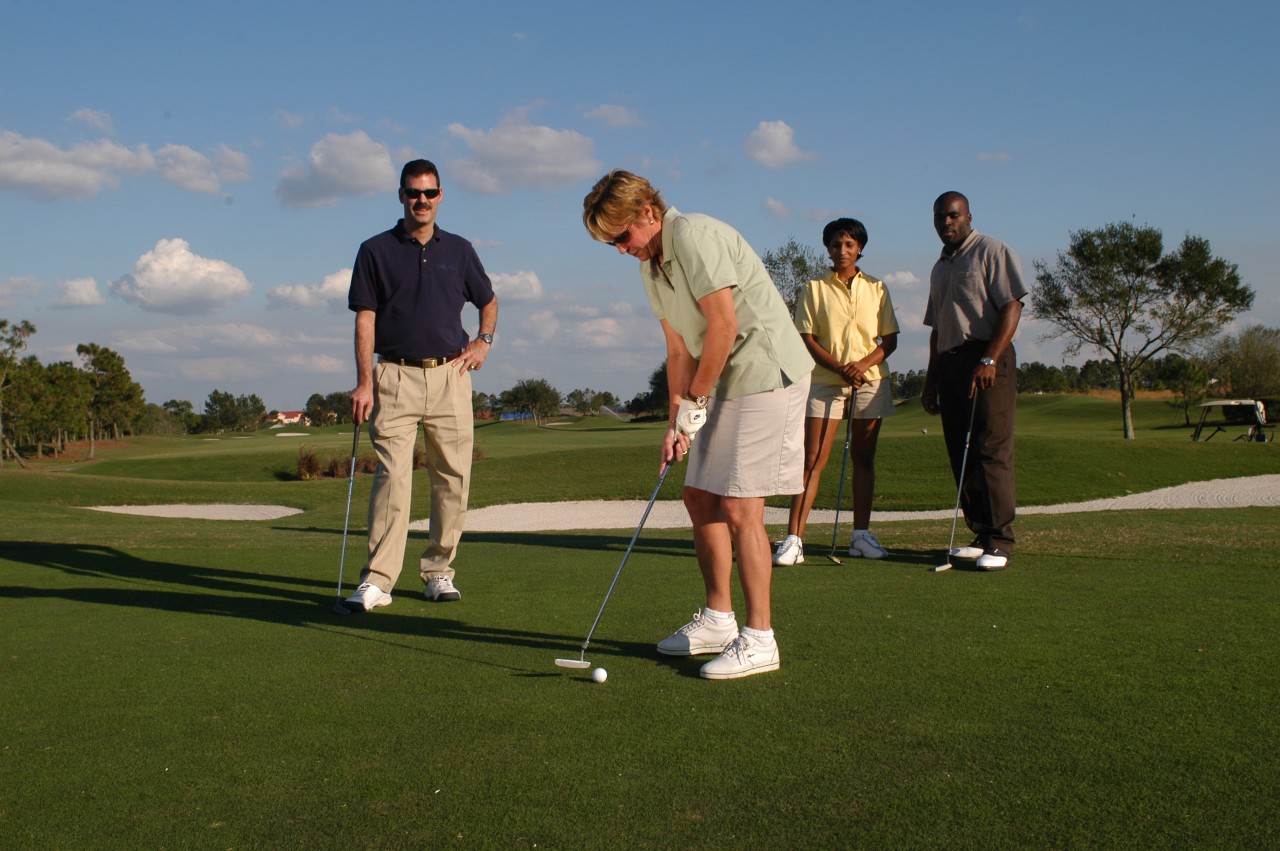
<point x="701" y="401"/>
<point x="987" y="361"/>
<point x="488" y="338"/>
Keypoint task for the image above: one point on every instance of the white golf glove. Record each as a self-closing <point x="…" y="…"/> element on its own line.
<point x="690" y="417"/>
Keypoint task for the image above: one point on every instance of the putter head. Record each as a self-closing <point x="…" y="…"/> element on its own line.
<point x="579" y="664"/>
<point x="942" y="567"/>
<point x="340" y="608"/>
<point x="832" y="558"/>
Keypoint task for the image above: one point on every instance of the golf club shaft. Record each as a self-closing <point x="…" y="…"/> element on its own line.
<point x="346" y="524"/>
<point x="964" y="462"/>
<point x="844" y="459"/>
<point x="662" y="478"/>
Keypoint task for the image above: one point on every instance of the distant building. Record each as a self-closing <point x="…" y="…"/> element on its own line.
<point x="291" y="418"/>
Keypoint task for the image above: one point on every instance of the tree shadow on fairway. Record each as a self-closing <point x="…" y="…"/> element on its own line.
<point x="558" y="540"/>
<point x="105" y="576"/>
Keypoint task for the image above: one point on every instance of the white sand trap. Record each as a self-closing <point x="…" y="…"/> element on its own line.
<point x="208" y="511"/>
<point x="670" y="514"/>
<point x="293" y="434"/>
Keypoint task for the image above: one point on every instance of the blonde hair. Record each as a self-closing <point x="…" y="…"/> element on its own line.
<point x="616" y="201"/>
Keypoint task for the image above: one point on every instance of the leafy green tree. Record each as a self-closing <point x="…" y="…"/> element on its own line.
<point x="585" y="402"/>
<point x="909" y="384"/>
<point x="1248" y="364"/>
<point x="117" y="399"/>
<point x="1036" y="377"/>
<point x="1187" y="378"/>
<point x="533" y="396"/>
<point x="1115" y="291"/>
<point x="656" y="400"/>
<point x="13" y="339"/>
<point x="184" y="413"/>
<point x="792" y="266"/>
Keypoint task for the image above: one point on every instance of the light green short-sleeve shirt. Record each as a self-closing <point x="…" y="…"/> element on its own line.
<point x="846" y="321"/>
<point x="702" y="255"/>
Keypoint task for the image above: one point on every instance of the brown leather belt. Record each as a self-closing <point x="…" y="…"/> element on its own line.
<point x="422" y="363"/>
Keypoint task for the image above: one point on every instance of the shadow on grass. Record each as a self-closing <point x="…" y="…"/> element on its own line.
<point x="113" y="577"/>
<point x="617" y="541"/>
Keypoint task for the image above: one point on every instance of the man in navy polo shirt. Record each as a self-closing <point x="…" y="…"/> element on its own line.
<point x="408" y="290"/>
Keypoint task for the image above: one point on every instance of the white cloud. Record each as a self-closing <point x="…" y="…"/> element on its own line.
<point x="541" y="327"/>
<point x="188" y="169"/>
<point x="776" y="208"/>
<point x="233" y="165"/>
<point x="288" y="120"/>
<point x="317" y="364"/>
<point x="80" y="292"/>
<point x="613" y="115"/>
<point x="171" y="279"/>
<point x="994" y="157"/>
<point x="91" y="118"/>
<point x="519" y="286"/>
<point x="42" y="169"/>
<point x="517" y="154"/>
<point x="901" y="279"/>
<point x="11" y="288"/>
<point x="331" y="292"/>
<point x="338" y="167"/>
<point x="220" y="370"/>
<point x="773" y="145"/>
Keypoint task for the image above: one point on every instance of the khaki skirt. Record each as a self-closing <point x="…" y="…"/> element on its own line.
<point x="753" y="445"/>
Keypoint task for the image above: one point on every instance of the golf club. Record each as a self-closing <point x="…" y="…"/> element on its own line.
<point x="340" y="607"/>
<point x="844" y="459"/>
<point x="581" y="662"/>
<point x="964" y="460"/>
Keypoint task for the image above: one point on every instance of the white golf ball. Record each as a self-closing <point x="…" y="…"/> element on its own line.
<point x="599" y="675"/>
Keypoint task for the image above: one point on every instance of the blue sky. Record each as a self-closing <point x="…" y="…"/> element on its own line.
<point x="188" y="183"/>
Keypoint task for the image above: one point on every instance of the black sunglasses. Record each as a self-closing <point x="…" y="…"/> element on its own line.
<point x="414" y="193"/>
<point x="622" y="238"/>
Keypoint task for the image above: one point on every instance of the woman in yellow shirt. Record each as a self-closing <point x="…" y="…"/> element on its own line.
<point x="847" y="322"/>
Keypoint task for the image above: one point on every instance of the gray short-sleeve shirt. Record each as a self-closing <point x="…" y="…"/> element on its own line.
<point x="969" y="288"/>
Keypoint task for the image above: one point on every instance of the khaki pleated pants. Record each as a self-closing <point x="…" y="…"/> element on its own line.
<point x="440" y="399"/>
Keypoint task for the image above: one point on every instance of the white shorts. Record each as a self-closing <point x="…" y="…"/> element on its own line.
<point x="872" y="402"/>
<point x="751" y="446"/>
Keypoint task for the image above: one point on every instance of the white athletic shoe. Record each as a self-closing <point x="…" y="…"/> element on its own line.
<point x="968" y="553"/>
<point x="790" y="551"/>
<point x="865" y="545"/>
<point x="993" y="559"/>
<point x="367" y="598"/>
<point x="743" y="658"/>
<point x="440" y="590"/>
<point x="698" y="637"/>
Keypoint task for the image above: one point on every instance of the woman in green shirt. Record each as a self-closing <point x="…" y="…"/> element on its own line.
<point x="738" y="379"/>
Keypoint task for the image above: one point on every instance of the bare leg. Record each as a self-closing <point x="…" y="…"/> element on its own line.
<point x="745" y="519"/>
<point x="714" y="545"/>
<point x="862" y="452"/>
<point x="819" y="434"/>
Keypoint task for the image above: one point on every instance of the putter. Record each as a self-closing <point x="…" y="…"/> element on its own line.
<point x="848" y="433"/>
<point x="340" y="608"/>
<point x="964" y="460"/>
<point x="581" y="662"/>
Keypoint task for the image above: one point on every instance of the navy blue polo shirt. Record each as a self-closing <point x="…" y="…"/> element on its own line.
<point x="418" y="291"/>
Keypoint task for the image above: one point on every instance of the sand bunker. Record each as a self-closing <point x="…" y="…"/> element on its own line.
<point x="209" y="511"/>
<point x="670" y="514"/>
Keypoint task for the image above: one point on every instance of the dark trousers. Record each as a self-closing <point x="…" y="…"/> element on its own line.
<point x="988" y="495"/>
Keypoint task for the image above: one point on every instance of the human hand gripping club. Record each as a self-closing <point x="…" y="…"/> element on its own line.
<point x="691" y="416"/>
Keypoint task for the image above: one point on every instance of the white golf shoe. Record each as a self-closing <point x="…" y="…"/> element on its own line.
<point x="744" y="657"/>
<point x="367" y="598"/>
<point x="790" y="551"/>
<point x="440" y="590"/>
<point x="865" y="545"/>
<point x="970" y="552"/>
<point x="699" y="636"/>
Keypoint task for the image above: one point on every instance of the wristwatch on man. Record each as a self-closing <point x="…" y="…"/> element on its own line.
<point x="488" y="338"/>
<point x="987" y="361"/>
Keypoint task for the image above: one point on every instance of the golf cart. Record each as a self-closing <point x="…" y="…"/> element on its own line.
<point x="1249" y="414"/>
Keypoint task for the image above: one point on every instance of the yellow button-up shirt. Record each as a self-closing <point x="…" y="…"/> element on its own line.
<point x="846" y="321"/>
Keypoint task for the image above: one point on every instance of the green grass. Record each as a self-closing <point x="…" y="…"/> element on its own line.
<point x="182" y="683"/>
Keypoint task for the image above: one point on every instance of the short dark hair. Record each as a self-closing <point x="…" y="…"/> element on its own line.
<point x="415" y="168"/>
<point x="951" y="195"/>
<point x="840" y="227"/>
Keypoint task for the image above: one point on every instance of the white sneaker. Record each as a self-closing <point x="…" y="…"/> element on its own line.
<point x="993" y="559"/>
<point x="698" y="637"/>
<point x="865" y="545"/>
<point x="790" y="551"/>
<point x="970" y="552"/>
<point x="743" y="658"/>
<point x="440" y="590"/>
<point x="367" y="598"/>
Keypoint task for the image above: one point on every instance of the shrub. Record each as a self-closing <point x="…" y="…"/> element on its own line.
<point x="308" y="463"/>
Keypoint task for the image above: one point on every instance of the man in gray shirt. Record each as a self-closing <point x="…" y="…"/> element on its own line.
<point x="975" y="302"/>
